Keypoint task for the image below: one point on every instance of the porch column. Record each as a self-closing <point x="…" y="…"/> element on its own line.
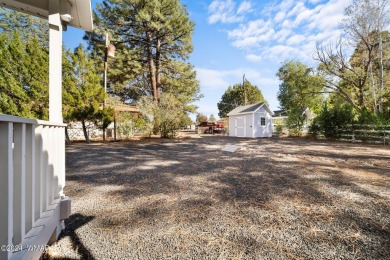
<point x="55" y="62"/>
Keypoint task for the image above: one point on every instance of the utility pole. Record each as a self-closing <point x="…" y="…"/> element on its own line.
<point x="105" y="78"/>
<point x="105" y="68"/>
<point x="243" y="84"/>
<point x="109" y="51"/>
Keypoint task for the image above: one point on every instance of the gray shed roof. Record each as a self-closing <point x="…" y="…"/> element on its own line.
<point x="249" y="109"/>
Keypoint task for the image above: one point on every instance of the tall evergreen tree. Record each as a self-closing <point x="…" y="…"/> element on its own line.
<point x="83" y="93"/>
<point x="23" y="77"/>
<point x="151" y="36"/>
<point x="29" y="27"/>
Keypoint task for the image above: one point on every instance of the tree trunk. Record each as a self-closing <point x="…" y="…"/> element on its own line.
<point x="158" y="69"/>
<point x="85" y="131"/>
<point x="67" y="135"/>
<point x="372" y="83"/>
<point x="152" y="73"/>
<point x="380" y="73"/>
<point x="361" y="97"/>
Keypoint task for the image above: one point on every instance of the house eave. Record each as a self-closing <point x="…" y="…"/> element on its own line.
<point x="81" y="10"/>
<point x="253" y="112"/>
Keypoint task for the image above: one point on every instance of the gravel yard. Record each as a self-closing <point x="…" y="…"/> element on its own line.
<point x="188" y="199"/>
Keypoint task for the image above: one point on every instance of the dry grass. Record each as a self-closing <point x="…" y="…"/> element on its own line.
<point x="187" y="199"/>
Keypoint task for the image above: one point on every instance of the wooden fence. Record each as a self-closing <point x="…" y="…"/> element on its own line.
<point x="366" y="133"/>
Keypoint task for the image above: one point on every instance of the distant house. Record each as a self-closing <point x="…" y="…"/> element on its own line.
<point x="280" y="116"/>
<point x="308" y="114"/>
<point x="251" y="121"/>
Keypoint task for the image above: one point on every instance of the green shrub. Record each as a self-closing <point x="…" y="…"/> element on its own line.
<point x="279" y="129"/>
<point x="331" y="122"/>
<point x="165" y="116"/>
<point x="295" y="121"/>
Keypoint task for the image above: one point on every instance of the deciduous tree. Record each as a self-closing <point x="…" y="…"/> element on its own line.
<point x="200" y="118"/>
<point x="234" y="97"/>
<point x="300" y="87"/>
<point x="353" y="77"/>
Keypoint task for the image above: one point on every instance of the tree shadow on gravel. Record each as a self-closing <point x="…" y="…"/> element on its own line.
<point x="74" y="222"/>
<point x="187" y="181"/>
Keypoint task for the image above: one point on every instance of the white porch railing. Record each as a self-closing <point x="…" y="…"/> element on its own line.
<point x="32" y="178"/>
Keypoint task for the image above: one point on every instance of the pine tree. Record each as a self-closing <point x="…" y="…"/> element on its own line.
<point x="23" y="77"/>
<point x="83" y="93"/>
<point x="28" y="26"/>
<point x="151" y="34"/>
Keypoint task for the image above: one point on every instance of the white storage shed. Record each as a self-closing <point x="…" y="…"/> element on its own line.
<point x="251" y="121"/>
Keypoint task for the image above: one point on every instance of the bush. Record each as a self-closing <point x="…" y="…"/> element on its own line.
<point x="295" y="121"/>
<point x="366" y="117"/>
<point x="279" y="129"/>
<point x="165" y="116"/>
<point x="104" y="118"/>
<point x="128" y="125"/>
<point x="331" y="122"/>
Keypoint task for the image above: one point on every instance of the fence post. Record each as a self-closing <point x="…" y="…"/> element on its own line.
<point x="384" y="135"/>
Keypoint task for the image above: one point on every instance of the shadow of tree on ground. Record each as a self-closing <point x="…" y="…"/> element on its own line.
<point x="273" y="198"/>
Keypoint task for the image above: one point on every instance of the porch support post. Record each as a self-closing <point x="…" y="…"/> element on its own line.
<point x="55" y="62"/>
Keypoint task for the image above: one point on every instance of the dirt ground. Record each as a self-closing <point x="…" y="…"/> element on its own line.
<point x="187" y="199"/>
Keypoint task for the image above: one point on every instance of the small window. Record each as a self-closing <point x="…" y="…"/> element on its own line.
<point x="262" y="121"/>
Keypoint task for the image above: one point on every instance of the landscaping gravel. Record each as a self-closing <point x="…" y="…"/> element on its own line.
<point x="187" y="199"/>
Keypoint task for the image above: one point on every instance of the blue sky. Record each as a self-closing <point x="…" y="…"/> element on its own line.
<point x="251" y="37"/>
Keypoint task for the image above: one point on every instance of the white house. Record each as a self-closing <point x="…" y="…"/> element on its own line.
<point x="280" y="116"/>
<point x="251" y="121"/>
<point x="33" y="205"/>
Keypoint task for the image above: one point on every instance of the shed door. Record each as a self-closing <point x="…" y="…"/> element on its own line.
<point x="240" y="126"/>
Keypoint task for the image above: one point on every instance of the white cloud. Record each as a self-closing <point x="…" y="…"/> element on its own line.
<point x="281" y="36"/>
<point x="225" y="11"/>
<point x="251" y="34"/>
<point x="244" y="7"/>
<point x="253" y="57"/>
<point x="328" y="16"/>
<point x="290" y="29"/>
<point x="298" y="8"/>
<point x="280" y="53"/>
<point x="221" y="79"/>
<point x="296" y="39"/>
<point x="279" y="16"/>
<point x="209" y="78"/>
<point x="222" y="11"/>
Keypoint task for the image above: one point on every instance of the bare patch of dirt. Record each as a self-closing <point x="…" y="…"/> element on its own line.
<point x="187" y="199"/>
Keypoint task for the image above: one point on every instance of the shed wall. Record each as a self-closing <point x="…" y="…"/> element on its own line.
<point x="262" y="131"/>
<point x="248" y="125"/>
